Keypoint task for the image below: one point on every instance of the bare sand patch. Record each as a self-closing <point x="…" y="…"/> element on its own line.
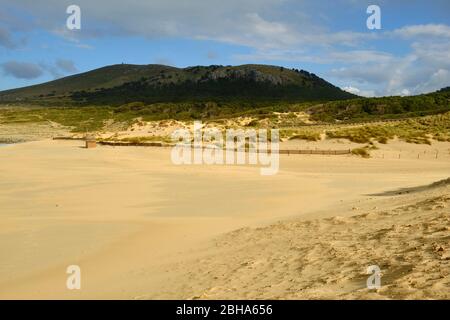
<point x="328" y="258"/>
<point x="141" y="227"/>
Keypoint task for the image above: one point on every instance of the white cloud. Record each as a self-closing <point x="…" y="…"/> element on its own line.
<point x="423" y="30"/>
<point x="405" y="92"/>
<point x="438" y="80"/>
<point x="361" y="56"/>
<point x="424" y="69"/>
<point x="352" y="90"/>
<point x="254" y="31"/>
<point x="359" y="92"/>
<point x="250" y="23"/>
<point x="326" y="56"/>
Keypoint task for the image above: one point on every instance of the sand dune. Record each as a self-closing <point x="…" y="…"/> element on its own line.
<point x="142" y="228"/>
<point x="327" y="258"/>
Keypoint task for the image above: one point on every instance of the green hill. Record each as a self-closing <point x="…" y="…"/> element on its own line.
<point x="124" y="83"/>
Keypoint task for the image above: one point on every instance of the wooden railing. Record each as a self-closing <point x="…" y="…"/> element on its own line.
<point x="161" y="144"/>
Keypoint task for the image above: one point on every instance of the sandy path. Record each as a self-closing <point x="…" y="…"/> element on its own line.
<point x="130" y="218"/>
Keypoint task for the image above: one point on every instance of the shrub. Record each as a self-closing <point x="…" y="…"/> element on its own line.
<point x="308" y="136"/>
<point x="362" y="152"/>
<point x="383" y="140"/>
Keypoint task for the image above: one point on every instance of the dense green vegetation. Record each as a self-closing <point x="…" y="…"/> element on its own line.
<point x="382" y="108"/>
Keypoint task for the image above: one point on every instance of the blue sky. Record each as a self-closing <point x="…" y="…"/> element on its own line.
<point x="409" y="55"/>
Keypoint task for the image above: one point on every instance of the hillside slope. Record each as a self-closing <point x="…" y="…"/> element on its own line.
<point x="124" y="83"/>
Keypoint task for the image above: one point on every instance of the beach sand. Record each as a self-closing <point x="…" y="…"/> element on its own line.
<point x="141" y="227"/>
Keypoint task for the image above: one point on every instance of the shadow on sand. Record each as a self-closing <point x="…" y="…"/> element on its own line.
<point x="397" y="192"/>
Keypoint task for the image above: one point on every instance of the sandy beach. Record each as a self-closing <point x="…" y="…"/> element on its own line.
<point x="194" y="154"/>
<point x="141" y="227"/>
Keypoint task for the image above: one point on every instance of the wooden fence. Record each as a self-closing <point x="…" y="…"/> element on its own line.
<point x="160" y="144"/>
<point x="324" y="152"/>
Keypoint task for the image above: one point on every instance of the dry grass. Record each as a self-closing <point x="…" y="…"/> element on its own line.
<point x="362" y="152"/>
<point x="419" y="131"/>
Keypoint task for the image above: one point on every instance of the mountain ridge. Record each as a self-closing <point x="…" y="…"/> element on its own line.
<point x="123" y="83"/>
